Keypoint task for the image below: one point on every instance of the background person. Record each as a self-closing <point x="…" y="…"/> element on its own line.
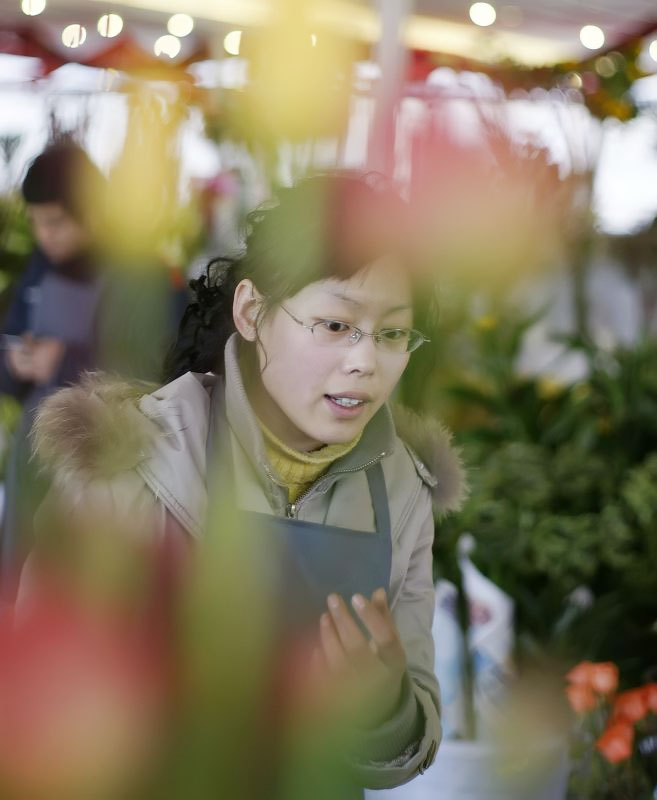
<point x="48" y="331"/>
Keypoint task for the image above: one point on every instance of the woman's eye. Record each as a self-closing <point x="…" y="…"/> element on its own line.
<point x="395" y="334"/>
<point x="333" y="326"/>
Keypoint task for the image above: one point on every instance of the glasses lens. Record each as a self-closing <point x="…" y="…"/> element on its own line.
<point x="415" y="339"/>
<point x="395" y="339"/>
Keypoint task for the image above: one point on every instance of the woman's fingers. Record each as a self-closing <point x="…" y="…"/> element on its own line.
<point x="352" y="638"/>
<point x="344" y="643"/>
<point x="332" y="648"/>
<point x="380" y="624"/>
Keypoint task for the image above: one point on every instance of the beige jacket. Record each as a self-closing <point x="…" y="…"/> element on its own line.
<point x="163" y="472"/>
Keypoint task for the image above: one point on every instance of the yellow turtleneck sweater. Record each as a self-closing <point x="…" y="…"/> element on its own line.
<point x="298" y="470"/>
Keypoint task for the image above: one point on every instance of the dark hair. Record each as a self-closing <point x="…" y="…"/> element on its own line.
<point x="64" y="174"/>
<point x="327" y="226"/>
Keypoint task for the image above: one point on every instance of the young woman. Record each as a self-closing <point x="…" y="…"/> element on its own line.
<point x="282" y="373"/>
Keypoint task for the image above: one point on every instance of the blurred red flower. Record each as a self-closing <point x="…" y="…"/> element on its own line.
<point x="81" y="700"/>
<point x="615" y="744"/>
<point x="581" y="697"/>
<point x="650" y="697"/>
<point x="630" y="705"/>
<point x="601" y="677"/>
<point x="591" y="686"/>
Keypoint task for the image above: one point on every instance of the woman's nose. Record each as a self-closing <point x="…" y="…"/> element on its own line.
<point x="362" y="356"/>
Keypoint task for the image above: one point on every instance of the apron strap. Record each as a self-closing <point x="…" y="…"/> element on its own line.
<point x="379" y="497"/>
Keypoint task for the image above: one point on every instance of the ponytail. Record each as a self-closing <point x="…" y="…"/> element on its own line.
<point x="206" y="324"/>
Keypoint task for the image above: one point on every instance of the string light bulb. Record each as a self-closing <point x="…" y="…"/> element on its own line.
<point x="74" y="35"/>
<point x="110" y="25"/>
<point x="483" y="14"/>
<point x="167" y="45"/>
<point x="592" y="37"/>
<point x="33" y="7"/>
<point x="180" y="25"/>
<point x="652" y="50"/>
<point x="232" y="42"/>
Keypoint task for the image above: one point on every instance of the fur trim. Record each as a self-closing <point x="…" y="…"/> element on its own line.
<point x="94" y="430"/>
<point x="433" y="444"/>
<point x="90" y="430"/>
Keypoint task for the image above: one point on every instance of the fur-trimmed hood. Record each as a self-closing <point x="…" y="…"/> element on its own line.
<point x="432" y="442"/>
<point x="92" y="430"/>
<point x="97" y="429"/>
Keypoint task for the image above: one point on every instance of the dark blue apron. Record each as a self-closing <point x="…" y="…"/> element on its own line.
<point x="312" y="560"/>
<point x="321" y="559"/>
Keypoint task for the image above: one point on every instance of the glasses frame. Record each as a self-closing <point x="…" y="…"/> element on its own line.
<point x="360" y="333"/>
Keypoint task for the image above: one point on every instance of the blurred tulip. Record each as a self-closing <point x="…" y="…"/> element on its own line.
<point x="581" y="697"/>
<point x="80" y="703"/>
<point x="289" y="59"/>
<point x="615" y="744"/>
<point x="650" y="697"/>
<point x="580" y="675"/>
<point x="601" y="677"/>
<point x="604" y="677"/>
<point x="630" y="705"/>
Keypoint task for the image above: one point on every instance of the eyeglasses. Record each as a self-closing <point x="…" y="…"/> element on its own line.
<point x="333" y="333"/>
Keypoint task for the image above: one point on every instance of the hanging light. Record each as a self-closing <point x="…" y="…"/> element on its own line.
<point x="482" y="14"/>
<point x="313" y="40"/>
<point x="232" y="42"/>
<point x="167" y="45"/>
<point x="592" y="37"/>
<point x="110" y="25"/>
<point x="33" y="7"/>
<point x="74" y="35"/>
<point x="180" y="25"/>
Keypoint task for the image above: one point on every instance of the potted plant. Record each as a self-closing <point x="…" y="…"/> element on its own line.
<point x="563" y="503"/>
<point x="614" y="736"/>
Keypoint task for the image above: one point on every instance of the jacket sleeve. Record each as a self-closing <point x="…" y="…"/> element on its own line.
<point x="15" y="323"/>
<point x="405" y="745"/>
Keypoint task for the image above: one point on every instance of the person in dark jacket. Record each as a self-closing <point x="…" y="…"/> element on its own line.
<point x="72" y="312"/>
<point x="48" y="332"/>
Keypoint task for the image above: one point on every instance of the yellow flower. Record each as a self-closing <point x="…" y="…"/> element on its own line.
<point x="486" y="323"/>
<point x="548" y="387"/>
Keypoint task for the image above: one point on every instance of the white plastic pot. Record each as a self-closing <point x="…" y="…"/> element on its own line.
<point x="483" y="771"/>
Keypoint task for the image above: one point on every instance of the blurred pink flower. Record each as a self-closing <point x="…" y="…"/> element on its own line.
<point x="80" y="701"/>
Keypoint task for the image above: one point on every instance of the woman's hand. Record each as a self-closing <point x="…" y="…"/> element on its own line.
<point x="364" y="673"/>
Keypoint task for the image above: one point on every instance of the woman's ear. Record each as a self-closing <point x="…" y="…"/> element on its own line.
<point x="246" y="304"/>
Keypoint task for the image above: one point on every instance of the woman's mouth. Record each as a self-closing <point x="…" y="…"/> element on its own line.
<point x="345" y="406"/>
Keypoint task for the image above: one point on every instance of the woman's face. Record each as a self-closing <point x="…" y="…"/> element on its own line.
<point x="305" y="392"/>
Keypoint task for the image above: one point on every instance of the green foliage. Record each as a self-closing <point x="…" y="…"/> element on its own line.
<point x="564" y="493"/>
<point x="15" y="242"/>
<point x="10" y="411"/>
